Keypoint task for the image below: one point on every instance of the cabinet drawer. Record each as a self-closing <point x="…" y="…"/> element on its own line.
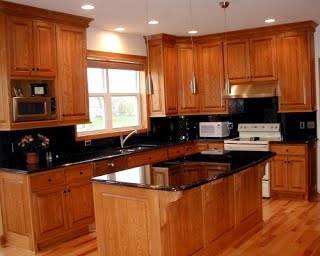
<point x="110" y="166"/>
<point x="215" y="146"/>
<point x="47" y="179"/>
<point x="202" y="146"/>
<point x="78" y="173"/>
<point x="149" y="157"/>
<point x="191" y="149"/>
<point x="176" y="151"/>
<point x="296" y="150"/>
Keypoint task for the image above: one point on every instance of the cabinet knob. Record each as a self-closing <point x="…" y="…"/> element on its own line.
<point x="49" y="180"/>
<point x="111" y="164"/>
<point x="81" y="173"/>
<point x="69" y="190"/>
<point x="33" y="69"/>
<point x="37" y="69"/>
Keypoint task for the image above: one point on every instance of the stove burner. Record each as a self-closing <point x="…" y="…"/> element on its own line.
<point x="254" y="138"/>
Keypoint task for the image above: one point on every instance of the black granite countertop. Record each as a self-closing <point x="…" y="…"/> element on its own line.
<point x="18" y="165"/>
<point x="302" y="139"/>
<point x="186" y="173"/>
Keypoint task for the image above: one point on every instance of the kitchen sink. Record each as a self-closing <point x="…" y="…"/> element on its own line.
<point x="134" y="148"/>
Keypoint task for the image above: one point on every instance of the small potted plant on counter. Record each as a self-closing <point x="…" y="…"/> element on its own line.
<point x="32" y="146"/>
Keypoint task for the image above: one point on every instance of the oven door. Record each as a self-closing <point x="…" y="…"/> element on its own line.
<point x="31" y="108"/>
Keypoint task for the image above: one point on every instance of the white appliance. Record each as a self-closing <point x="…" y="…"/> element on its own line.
<point x="256" y="137"/>
<point x="214" y="129"/>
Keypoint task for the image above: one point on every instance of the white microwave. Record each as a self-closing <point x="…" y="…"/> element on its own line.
<point x="214" y="129"/>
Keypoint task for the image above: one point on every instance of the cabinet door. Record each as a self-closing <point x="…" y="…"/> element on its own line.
<point x="297" y="174"/>
<point x="72" y="74"/>
<point x="156" y="97"/>
<point x="170" y="78"/>
<point x="248" y="196"/>
<point x="263" y="58"/>
<point x="218" y="210"/>
<point x="296" y="86"/>
<point x="50" y="212"/>
<point x="237" y="60"/>
<point x="211" y="78"/>
<point x="20" y="46"/>
<point x="188" y="97"/>
<point x="80" y="204"/>
<point x="44" y="41"/>
<point x="279" y="173"/>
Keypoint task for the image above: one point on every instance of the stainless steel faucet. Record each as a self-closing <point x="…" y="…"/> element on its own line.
<point x="124" y="139"/>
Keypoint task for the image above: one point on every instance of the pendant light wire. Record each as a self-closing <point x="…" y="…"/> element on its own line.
<point x="149" y="79"/>
<point x="193" y="79"/>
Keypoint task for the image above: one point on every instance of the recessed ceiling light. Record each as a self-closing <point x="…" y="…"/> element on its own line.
<point x="270" y="20"/>
<point x="87" y="7"/>
<point x="192" y="32"/>
<point x="119" y="29"/>
<point x="153" y="22"/>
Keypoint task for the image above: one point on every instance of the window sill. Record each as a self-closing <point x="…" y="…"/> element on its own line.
<point x="104" y="135"/>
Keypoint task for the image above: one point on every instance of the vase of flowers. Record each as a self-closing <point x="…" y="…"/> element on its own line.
<point x="32" y="146"/>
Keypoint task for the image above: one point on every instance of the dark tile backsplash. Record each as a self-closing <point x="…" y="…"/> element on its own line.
<point x="172" y="128"/>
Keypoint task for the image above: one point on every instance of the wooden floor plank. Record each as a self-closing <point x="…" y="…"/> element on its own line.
<point x="290" y="229"/>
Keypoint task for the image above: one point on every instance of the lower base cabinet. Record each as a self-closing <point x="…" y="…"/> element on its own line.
<point x="199" y="221"/>
<point x="51" y="206"/>
<point x="293" y="171"/>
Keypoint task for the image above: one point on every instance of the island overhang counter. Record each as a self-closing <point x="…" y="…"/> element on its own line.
<point x="191" y="206"/>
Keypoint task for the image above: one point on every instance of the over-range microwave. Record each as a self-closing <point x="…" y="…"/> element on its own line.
<point x="33" y="108"/>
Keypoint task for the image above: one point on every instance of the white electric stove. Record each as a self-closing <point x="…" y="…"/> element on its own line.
<point x="256" y="137"/>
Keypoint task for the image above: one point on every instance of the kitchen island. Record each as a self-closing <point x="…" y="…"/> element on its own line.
<point x="191" y="206"/>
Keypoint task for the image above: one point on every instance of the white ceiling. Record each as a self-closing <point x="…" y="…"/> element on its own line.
<point x="173" y="14"/>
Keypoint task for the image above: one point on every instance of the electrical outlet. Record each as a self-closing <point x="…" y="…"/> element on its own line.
<point x="302" y="125"/>
<point x="311" y="125"/>
<point x="87" y="143"/>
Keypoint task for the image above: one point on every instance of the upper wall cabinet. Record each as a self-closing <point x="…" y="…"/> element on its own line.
<point x="163" y="91"/>
<point x="296" y="71"/>
<point x="32" y="47"/>
<point x="43" y="45"/>
<point x="72" y="74"/>
<point x="237" y="60"/>
<point x="263" y="58"/>
<point x="188" y="94"/>
<point x="211" y="77"/>
<point x="251" y="59"/>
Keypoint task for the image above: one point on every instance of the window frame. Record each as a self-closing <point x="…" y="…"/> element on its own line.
<point x="96" y="59"/>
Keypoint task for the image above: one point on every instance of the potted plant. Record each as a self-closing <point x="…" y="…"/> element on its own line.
<point x="32" y="146"/>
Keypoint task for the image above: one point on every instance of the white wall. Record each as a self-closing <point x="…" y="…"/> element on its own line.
<point x="101" y="40"/>
<point x="317" y="54"/>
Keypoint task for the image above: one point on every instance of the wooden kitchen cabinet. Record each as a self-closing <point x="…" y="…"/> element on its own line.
<point x="263" y="58"/>
<point x="291" y="171"/>
<point x="237" y="60"/>
<point x="188" y="96"/>
<point x="163" y="94"/>
<point x="296" y="71"/>
<point x="51" y="206"/>
<point x="251" y="59"/>
<point x="72" y="74"/>
<point x="44" y="41"/>
<point x="218" y="208"/>
<point x="32" y="47"/>
<point x="248" y="191"/>
<point x="50" y="213"/>
<point x="211" y="80"/>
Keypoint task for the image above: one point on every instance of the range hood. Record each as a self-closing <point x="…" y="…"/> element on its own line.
<point x="251" y="90"/>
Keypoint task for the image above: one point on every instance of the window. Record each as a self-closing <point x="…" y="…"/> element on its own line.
<point x="115" y="100"/>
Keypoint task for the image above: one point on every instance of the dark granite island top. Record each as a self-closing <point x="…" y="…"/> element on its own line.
<point x="185" y="173"/>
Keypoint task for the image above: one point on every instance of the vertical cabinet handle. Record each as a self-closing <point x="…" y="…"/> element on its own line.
<point x="149" y="84"/>
<point x="193" y="86"/>
<point x="227" y="86"/>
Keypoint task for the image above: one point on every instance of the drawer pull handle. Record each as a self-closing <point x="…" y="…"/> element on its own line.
<point x="111" y="164"/>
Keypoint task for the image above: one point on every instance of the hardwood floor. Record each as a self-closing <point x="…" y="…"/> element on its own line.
<point x="290" y="229"/>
